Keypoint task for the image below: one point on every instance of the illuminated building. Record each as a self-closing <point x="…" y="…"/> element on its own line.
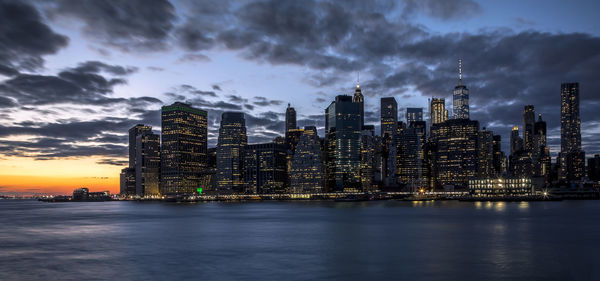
<point x="541" y="152"/>
<point x="594" y="168"/>
<point x="460" y="108"/>
<point x="486" y="154"/>
<point x="129" y="187"/>
<point x="413" y="114"/>
<point x="389" y="116"/>
<point x="230" y="152"/>
<point x="437" y="111"/>
<point x="389" y="128"/>
<point x="410" y="154"/>
<point x="127" y="181"/>
<point x="367" y="157"/>
<point x="306" y="171"/>
<point x="360" y="100"/>
<point x="456" y="157"/>
<point x="290" y="118"/>
<point x="516" y="142"/>
<point x="499" y="187"/>
<point x="499" y="157"/>
<point x="147" y="167"/>
<point x="265" y="170"/>
<point x="571" y="157"/>
<point x="343" y="131"/>
<point x="183" y="149"/>
<point x="134" y="132"/>
<point x="528" y="127"/>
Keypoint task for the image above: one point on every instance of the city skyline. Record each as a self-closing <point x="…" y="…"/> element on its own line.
<point x="69" y="104"/>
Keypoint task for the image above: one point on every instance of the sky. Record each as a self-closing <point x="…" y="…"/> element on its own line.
<point x="76" y="74"/>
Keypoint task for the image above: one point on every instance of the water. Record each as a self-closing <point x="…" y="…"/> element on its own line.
<point x="382" y="240"/>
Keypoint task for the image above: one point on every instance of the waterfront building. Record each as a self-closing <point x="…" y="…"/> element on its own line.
<point x="501" y="187"/>
<point x="343" y="131"/>
<point x="410" y="155"/>
<point x="183" y="148"/>
<point x="456" y="157"/>
<point x="571" y="157"/>
<point x="134" y="132"/>
<point x="129" y="187"/>
<point x="541" y="152"/>
<point x="594" y="168"/>
<point x="265" y="168"/>
<point x="460" y="96"/>
<point x="306" y="171"/>
<point x="147" y="166"/>
<point x="367" y="157"/>
<point x="230" y="152"/>
<point x="127" y="181"/>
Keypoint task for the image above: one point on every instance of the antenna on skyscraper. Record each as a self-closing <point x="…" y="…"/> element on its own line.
<point x="358" y="79"/>
<point x="459" y="72"/>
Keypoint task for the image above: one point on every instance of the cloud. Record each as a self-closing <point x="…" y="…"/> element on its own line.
<point x="25" y="38"/>
<point x="82" y="84"/>
<point x="193" y="58"/>
<point x="127" y="25"/>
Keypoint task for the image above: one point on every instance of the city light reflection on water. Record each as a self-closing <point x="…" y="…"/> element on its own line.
<point x="438" y="240"/>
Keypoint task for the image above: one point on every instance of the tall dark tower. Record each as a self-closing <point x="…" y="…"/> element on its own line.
<point x="358" y="98"/>
<point x="460" y="107"/>
<point x="343" y="134"/>
<point x="389" y="116"/>
<point x="230" y="152"/>
<point x="290" y="119"/>
<point x="134" y="132"/>
<point x="572" y="158"/>
<point x="528" y="128"/>
<point x="183" y="150"/>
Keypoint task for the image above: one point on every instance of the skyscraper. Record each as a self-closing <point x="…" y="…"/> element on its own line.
<point x="541" y="152"/>
<point x="134" y="132"/>
<point x="306" y="172"/>
<point x="437" y="111"/>
<point x="367" y="157"/>
<point x="460" y="107"/>
<point x="343" y="136"/>
<point x="230" y="152"/>
<point x="516" y="143"/>
<point x="147" y="167"/>
<point x="413" y="114"/>
<point x="389" y="116"/>
<point x="358" y="98"/>
<point x="183" y="149"/>
<point x="389" y="129"/>
<point x="499" y="157"/>
<point x="486" y="154"/>
<point x="528" y="128"/>
<point x="290" y="119"/>
<point x="571" y="158"/>
<point x="410" y="155"/>
<point x="265" y="170"/>
<point x="456" y="157"/>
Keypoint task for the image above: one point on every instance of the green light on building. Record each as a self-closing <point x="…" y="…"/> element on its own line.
<point x="199" y="190"/>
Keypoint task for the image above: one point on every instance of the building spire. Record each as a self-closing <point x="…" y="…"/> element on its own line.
<point x="358" y="79"/>
<point x="460" y="72"/>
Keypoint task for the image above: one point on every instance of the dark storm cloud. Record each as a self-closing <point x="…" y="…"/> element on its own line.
<point x="82" y="84"/>
<point x="124" y="24"/>
<point x="24" y="38"/>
